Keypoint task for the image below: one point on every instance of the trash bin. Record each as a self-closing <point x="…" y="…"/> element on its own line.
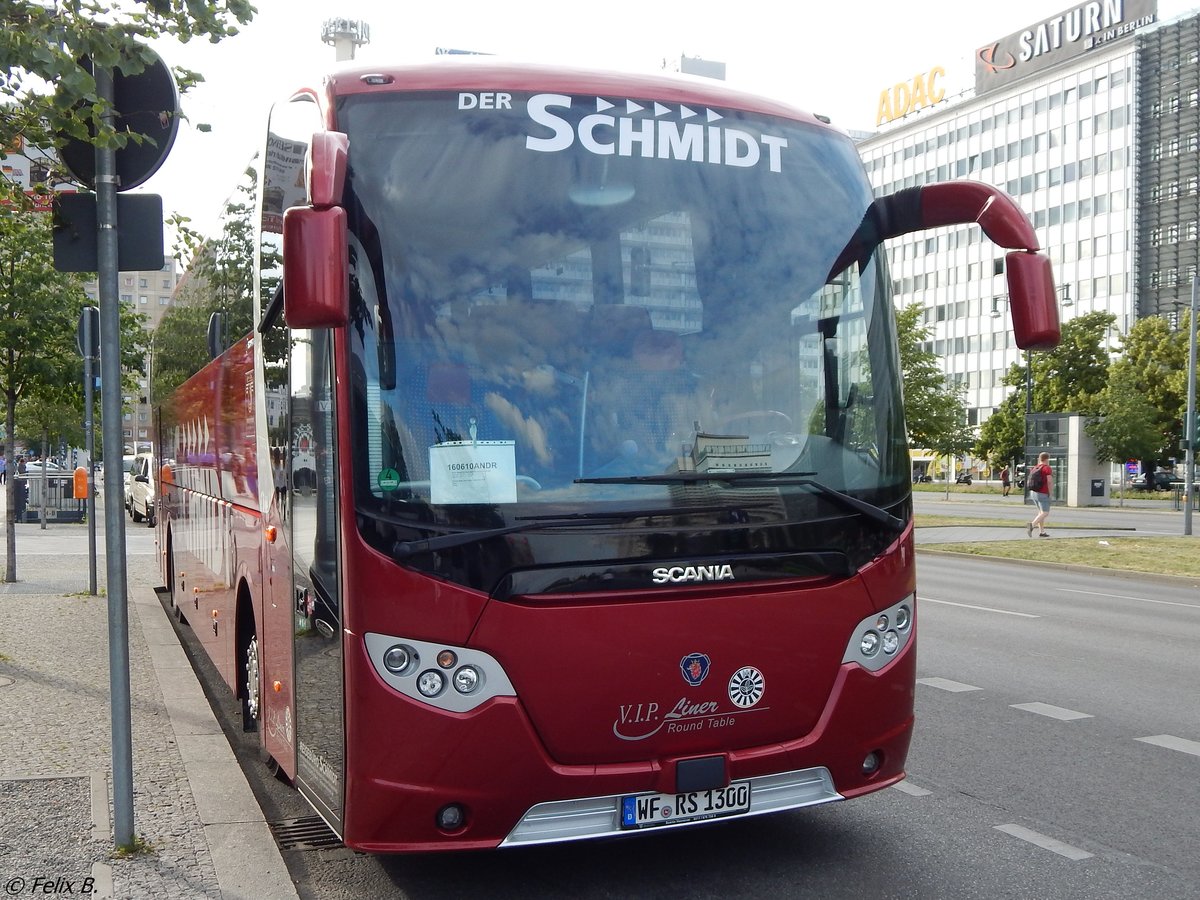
<point x="1097" y="487"/>
<point x="21" y="498"/>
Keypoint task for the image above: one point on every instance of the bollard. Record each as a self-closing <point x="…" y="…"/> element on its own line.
<point x="81" y="483"/>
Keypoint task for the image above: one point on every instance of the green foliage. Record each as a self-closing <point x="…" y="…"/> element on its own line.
<point x="1157" y="358"/>
<point x="1072" y="376"/>
<point x="220" y="279"/>
<point x="1128" y="428"/>
<point x="1002" y="436"/>
<point x="180" y="348"/>
<point x="933" y="409"/>
<point x="48" y="414"/>
<point x="40" y="366"/>
<point x="45" y="93"/>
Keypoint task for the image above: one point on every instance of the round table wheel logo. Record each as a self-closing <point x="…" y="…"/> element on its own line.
<point x="746" y="687"/>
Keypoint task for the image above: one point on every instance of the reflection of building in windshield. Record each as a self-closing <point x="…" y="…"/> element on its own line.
<point x="727" y="453"/>
<point x="658" y="271"/>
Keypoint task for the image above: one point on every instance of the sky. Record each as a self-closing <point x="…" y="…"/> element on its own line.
<point x="832" y="58"/>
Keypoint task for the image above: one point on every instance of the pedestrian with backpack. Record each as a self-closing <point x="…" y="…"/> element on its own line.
<point x="1039" y="489"/>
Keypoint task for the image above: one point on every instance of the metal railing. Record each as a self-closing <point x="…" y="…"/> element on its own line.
<point x="54" y="491"/>
<point x="1177" y="491"/>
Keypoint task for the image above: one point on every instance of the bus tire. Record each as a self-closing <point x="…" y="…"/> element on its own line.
<point x="249" y="669"/>
<point x="170" y="579"/>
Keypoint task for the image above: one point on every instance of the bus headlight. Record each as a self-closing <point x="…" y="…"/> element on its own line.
<point x="869" y="644"/>
<point x="400" y="660"/>
<point x="431" y="683"/>
<point x="891" y="642"/>
<point x="426" y="672"/>
<point x="466" y="680"/>
<point x="880" y="638"/>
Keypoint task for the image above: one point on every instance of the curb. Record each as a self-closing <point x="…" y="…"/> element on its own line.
<point x="246" y="858"/>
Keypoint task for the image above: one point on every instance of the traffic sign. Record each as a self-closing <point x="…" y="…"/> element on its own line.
<point x="147" y="104"/>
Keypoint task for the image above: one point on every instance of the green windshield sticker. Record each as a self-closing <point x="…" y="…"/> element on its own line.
<point x="388" y="480"/>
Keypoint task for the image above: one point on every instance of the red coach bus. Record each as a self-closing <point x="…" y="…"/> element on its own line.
<point x="561" y="489"/>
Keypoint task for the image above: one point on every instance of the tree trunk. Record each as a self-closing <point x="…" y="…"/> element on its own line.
<point x="45" y="479"/>
<point x="10" y="488"/>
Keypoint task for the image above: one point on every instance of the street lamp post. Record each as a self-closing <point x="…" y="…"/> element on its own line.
<point x="1189" y="429"/>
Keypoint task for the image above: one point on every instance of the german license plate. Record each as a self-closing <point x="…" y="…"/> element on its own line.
<point x="649" y="810"/>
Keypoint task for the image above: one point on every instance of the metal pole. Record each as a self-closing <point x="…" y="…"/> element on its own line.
<point x="1028" y="413"/>
<point x="114" y="518"/>
<point x="1189" y="428"/>
<point x="89" y="419"/>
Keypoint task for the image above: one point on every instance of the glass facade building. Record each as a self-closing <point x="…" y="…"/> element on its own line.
<point x="1101" y="150"/>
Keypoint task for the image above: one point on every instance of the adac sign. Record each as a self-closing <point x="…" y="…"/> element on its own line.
<point x="900" y="99"/>
<point x="1058" y="38"/>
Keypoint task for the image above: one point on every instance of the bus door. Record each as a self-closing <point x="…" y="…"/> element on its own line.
<point x="312" y="535"/>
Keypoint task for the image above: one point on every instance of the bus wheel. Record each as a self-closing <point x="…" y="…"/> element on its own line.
<point x="250" y="687"/>
<point x="170" y="579"/>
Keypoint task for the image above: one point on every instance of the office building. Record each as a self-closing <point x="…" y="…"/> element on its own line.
<point x="1090" y="119"/>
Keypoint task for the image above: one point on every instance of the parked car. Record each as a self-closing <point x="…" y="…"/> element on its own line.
<point x="32" y="468"/>
<point x="1157" y="481"/>
<point x="141" y="489"/>
<point x="127" y="467"/>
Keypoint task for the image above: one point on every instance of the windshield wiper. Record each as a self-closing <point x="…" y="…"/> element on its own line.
<point x="532" y="523"/>
<point x="872" y="512"/>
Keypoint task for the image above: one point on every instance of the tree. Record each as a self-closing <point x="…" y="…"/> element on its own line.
<point x="933" y="409"/>
<point x="922" y="375"/>
<point x="1157" y="356"/>
<point x="180" y="350"/>
<point x="1002" y="436"/>
<point x="1072" y="376"/>
<point x="46" y="411"/>
<point x="44" y="92"/>
<point x="220" y="279"/>
<point x="1127" y="428"/>
<point x="1068" y="379"/>
<point x="39" y="314"/>
<point x="39" y="309"/>
<point x="953" y="436"/>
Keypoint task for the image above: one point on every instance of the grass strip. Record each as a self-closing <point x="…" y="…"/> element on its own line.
<point x="1156" y="555"/>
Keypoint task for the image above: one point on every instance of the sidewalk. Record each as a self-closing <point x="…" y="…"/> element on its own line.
<point x="192" y="806"/>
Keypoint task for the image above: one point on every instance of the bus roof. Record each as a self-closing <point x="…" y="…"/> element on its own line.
<point x="483" y="73"/>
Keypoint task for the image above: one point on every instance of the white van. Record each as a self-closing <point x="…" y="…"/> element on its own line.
<point x="139" y="489"/>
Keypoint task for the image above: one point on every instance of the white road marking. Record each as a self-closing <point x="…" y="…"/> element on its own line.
<point x="912" y="790"/>
<point x="1183" y="745"/>
<point x="1127" y="597"/>
<point x="945" y="684"/>
<point x="1046" y="843"/>
<point x="1053" y="712"/>
<point x="1007" y="612"/>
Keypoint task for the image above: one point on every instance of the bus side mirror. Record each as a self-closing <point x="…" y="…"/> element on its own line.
<point x="216" y="334"/>
<point x="327" y="168"/>
<point x="1032" y="301"/>
<point x="315" y="268"/>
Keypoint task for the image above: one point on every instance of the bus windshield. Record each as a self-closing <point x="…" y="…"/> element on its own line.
<point x="614" y="295"/>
